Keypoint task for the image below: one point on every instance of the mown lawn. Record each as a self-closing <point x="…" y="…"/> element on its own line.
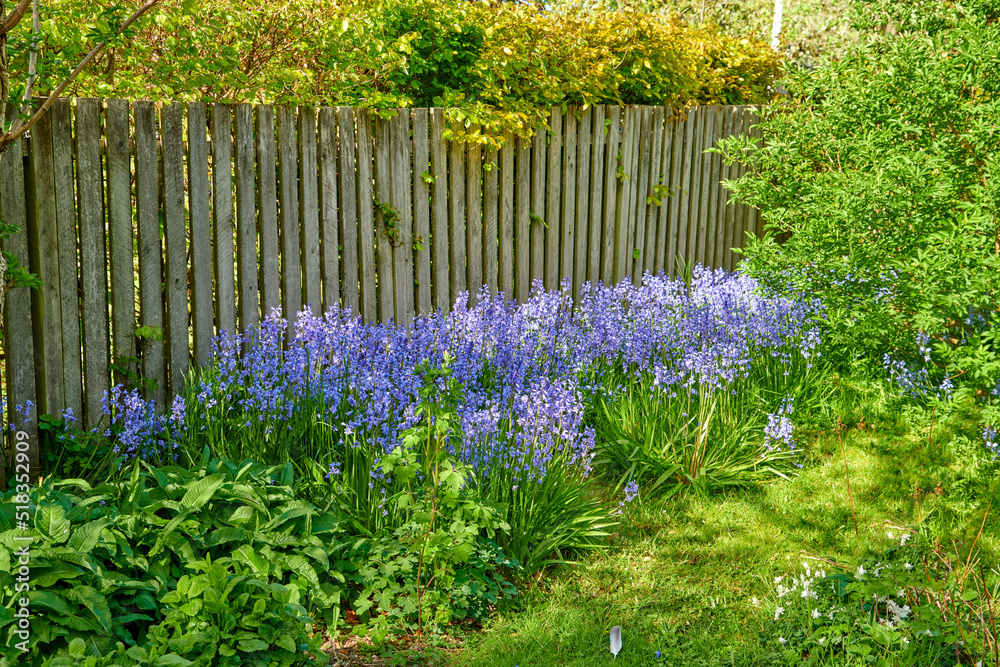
<point x="680" y="575"/>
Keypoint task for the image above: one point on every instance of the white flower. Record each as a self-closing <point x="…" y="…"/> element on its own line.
<point x="782" y="640"/>
<point x="861" y="572"/>
<point x="908" y="566"/>
<point x="815" y="613"/>
<point x="904" y="539"/>
<point x="890" y="535"/>
<point x="755" y="603"/>
<point x="822" y="641"/>
<point x="778" y="612"/>
<point x="906" y="640"/>
<point x="777" y="580"/>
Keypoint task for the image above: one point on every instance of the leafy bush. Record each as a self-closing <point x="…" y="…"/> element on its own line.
<point x="877" y="178"/>
<point x="501" y="64"/>
<point x="107" y="563"/>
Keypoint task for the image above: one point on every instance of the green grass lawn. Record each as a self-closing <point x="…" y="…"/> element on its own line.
<point x="680" y="575"/>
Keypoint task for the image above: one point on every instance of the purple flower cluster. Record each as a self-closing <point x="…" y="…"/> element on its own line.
<point x="140" y="432"/>
<point x="992" y="440"/>
<point x="778" y="432"/>
<point x="521" y="367"/>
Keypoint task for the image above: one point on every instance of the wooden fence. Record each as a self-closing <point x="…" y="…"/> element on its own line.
<point x="198" y="218"/>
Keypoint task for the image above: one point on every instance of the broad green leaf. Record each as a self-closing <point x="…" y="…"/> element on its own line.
<point x="85" y="537"/>
<point x="94" y="601"/>
<point x="201" y="492"/>
<point x="51" y="522"/>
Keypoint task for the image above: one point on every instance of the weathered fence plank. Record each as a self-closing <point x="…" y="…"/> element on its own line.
<point x="505" y="249"/>
<point x="474" y="219"/>
<point x="328" y="203"/>
<point x="46" y="231"/>
<point x="539" y="144"/>
<point x="712" y="235"/>
<point x="69" y="293"/>
<point x="267" y="205"/>
<point x="581" y="263"/>
<point x="18" y="349"/>
<point x="366" y="216"/>
<point x="567" y="223"/>
<point x="726" y="241"/>
<point x="288" y="213"/>
<point x="622" y="253"/>
<point x="553" y="188"/>
<point x="421" y="213"/>
<point x="740" y="212"/>
<point x="441" y="287"/>
<point x="456" y="190"/>
<point x="383" y="220"/>
<point x="491" y="202"/>
<point x="596" y="208"/>
<point x="202" y="312"/>
<point x="93" y="268"/>
<point x="523" y="230"/>
<point x="175" y="331"/>
<point x="663" y="226"/>
<point x="640" y="217"/>
<point x="402" y="202"/>
<point x="246" y="217"/>
<point x="222" y="219"/>
<point x="650" y="248"/>
<point x="147" y="206"/>
<point x="309" y="210"/>
<point x="120" y="232"/>
<point x="350" y="288"/>
<point x="608" y="270"/>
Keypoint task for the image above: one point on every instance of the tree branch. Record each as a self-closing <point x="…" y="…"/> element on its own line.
<point x="21" y="127"/>
<point x="15" y="17"/>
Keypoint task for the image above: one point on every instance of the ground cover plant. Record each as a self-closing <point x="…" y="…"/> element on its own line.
<point x="458" y="455"/>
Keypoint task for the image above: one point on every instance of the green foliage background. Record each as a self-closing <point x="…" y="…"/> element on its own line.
<point x="503" y="65"/>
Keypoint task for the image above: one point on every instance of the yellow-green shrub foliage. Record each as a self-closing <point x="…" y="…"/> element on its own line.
<point x="499" y="66"/>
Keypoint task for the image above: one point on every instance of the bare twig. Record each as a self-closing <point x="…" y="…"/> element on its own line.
<point x="21" y="127"/>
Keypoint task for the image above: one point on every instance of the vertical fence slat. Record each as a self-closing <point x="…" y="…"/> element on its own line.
<point x="644" y="160"/>
<point x="474" y="219"/>
<point x="707" y="176"/>
<point x="581" y="259"/>
<point x="421" y="213"/>
<point x="288" y="213"/>
<point x="712" y="190"/>
<point x="505" y="249"/>
<point x="663" y="237"/>
<point x="491" y="202"/>
<point x="175" y="334"/>
<point x="366" y="217"/>
<point x="622" y="251"/>
<point x="147" y="205"/>
<point x="19" y="356"/>
<point x="608" y="267"/>
<point x="567" y="224"/>
<point x="539" y="144"/>
<point x="222" y="218"/>
<point x="693" y="152"/>
<point x="267" y="205"/>
<point x="439" y="211"/>
<point x="456" y="222"/>
<point x="69" y="292"/>
<point x="328" y="202"/>
<point x="650" y="247"/>
<point x="201" y="232"/>
<point x="309" y="210"/>
<point x="523" y="230"/>
<point x="93" y="270"/>
<point x="120" y="232"/>
<point x="724" y="203"/>
<point x="402" y="202"/>
<point x="350" y="287"/>
<point x="553" y="188"/>
<point x="683" y="135"/>
<point x="596" y="239"/>
<point x="246" y="217"/>
<point x="46" y="231"/>
<point x="383" y="197"/>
